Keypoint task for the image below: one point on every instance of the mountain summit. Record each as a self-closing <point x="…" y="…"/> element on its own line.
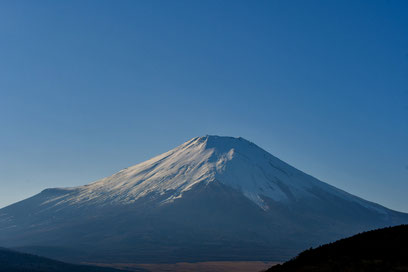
<point x="234" y="162"/>
<point x="211" y="198"/>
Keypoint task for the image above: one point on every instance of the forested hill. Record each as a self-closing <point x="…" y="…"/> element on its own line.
<point x="378" y="250"/>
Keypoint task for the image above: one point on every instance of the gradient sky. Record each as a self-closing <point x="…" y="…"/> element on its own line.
<point x="90" y="87"/>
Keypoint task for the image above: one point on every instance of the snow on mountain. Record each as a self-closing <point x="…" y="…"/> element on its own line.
<point x="234" y="162"/>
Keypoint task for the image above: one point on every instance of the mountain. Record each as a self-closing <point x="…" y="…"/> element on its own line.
<point x="212" y="198"/>
<point x="378" y="250"/>
<point x="12" y="261"/>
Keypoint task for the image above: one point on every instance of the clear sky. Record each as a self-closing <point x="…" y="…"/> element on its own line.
<point x="90" y="87"/>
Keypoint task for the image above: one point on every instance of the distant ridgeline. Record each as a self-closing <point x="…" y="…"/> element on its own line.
<point x="12" y="261"/>
<point x="378" y="250"/>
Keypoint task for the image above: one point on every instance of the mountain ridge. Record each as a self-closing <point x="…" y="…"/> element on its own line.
<point x="13" y="261"/>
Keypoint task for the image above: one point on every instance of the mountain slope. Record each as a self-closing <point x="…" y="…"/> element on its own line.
<point x="212" y="198"/>
<point x="12" y="261"/>
<point x="377" y="250"/>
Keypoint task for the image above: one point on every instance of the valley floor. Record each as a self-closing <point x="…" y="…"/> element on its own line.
<point x="241" y="266"/>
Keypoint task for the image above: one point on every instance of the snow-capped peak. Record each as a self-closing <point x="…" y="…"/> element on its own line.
<point x="234" y="162"/>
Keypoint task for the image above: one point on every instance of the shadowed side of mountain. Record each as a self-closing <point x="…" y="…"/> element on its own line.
<point x="212" y="222"/>
<point x="378" y="250"/>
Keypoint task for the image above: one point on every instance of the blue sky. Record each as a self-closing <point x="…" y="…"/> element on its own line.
<point x="90" y="87"/>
